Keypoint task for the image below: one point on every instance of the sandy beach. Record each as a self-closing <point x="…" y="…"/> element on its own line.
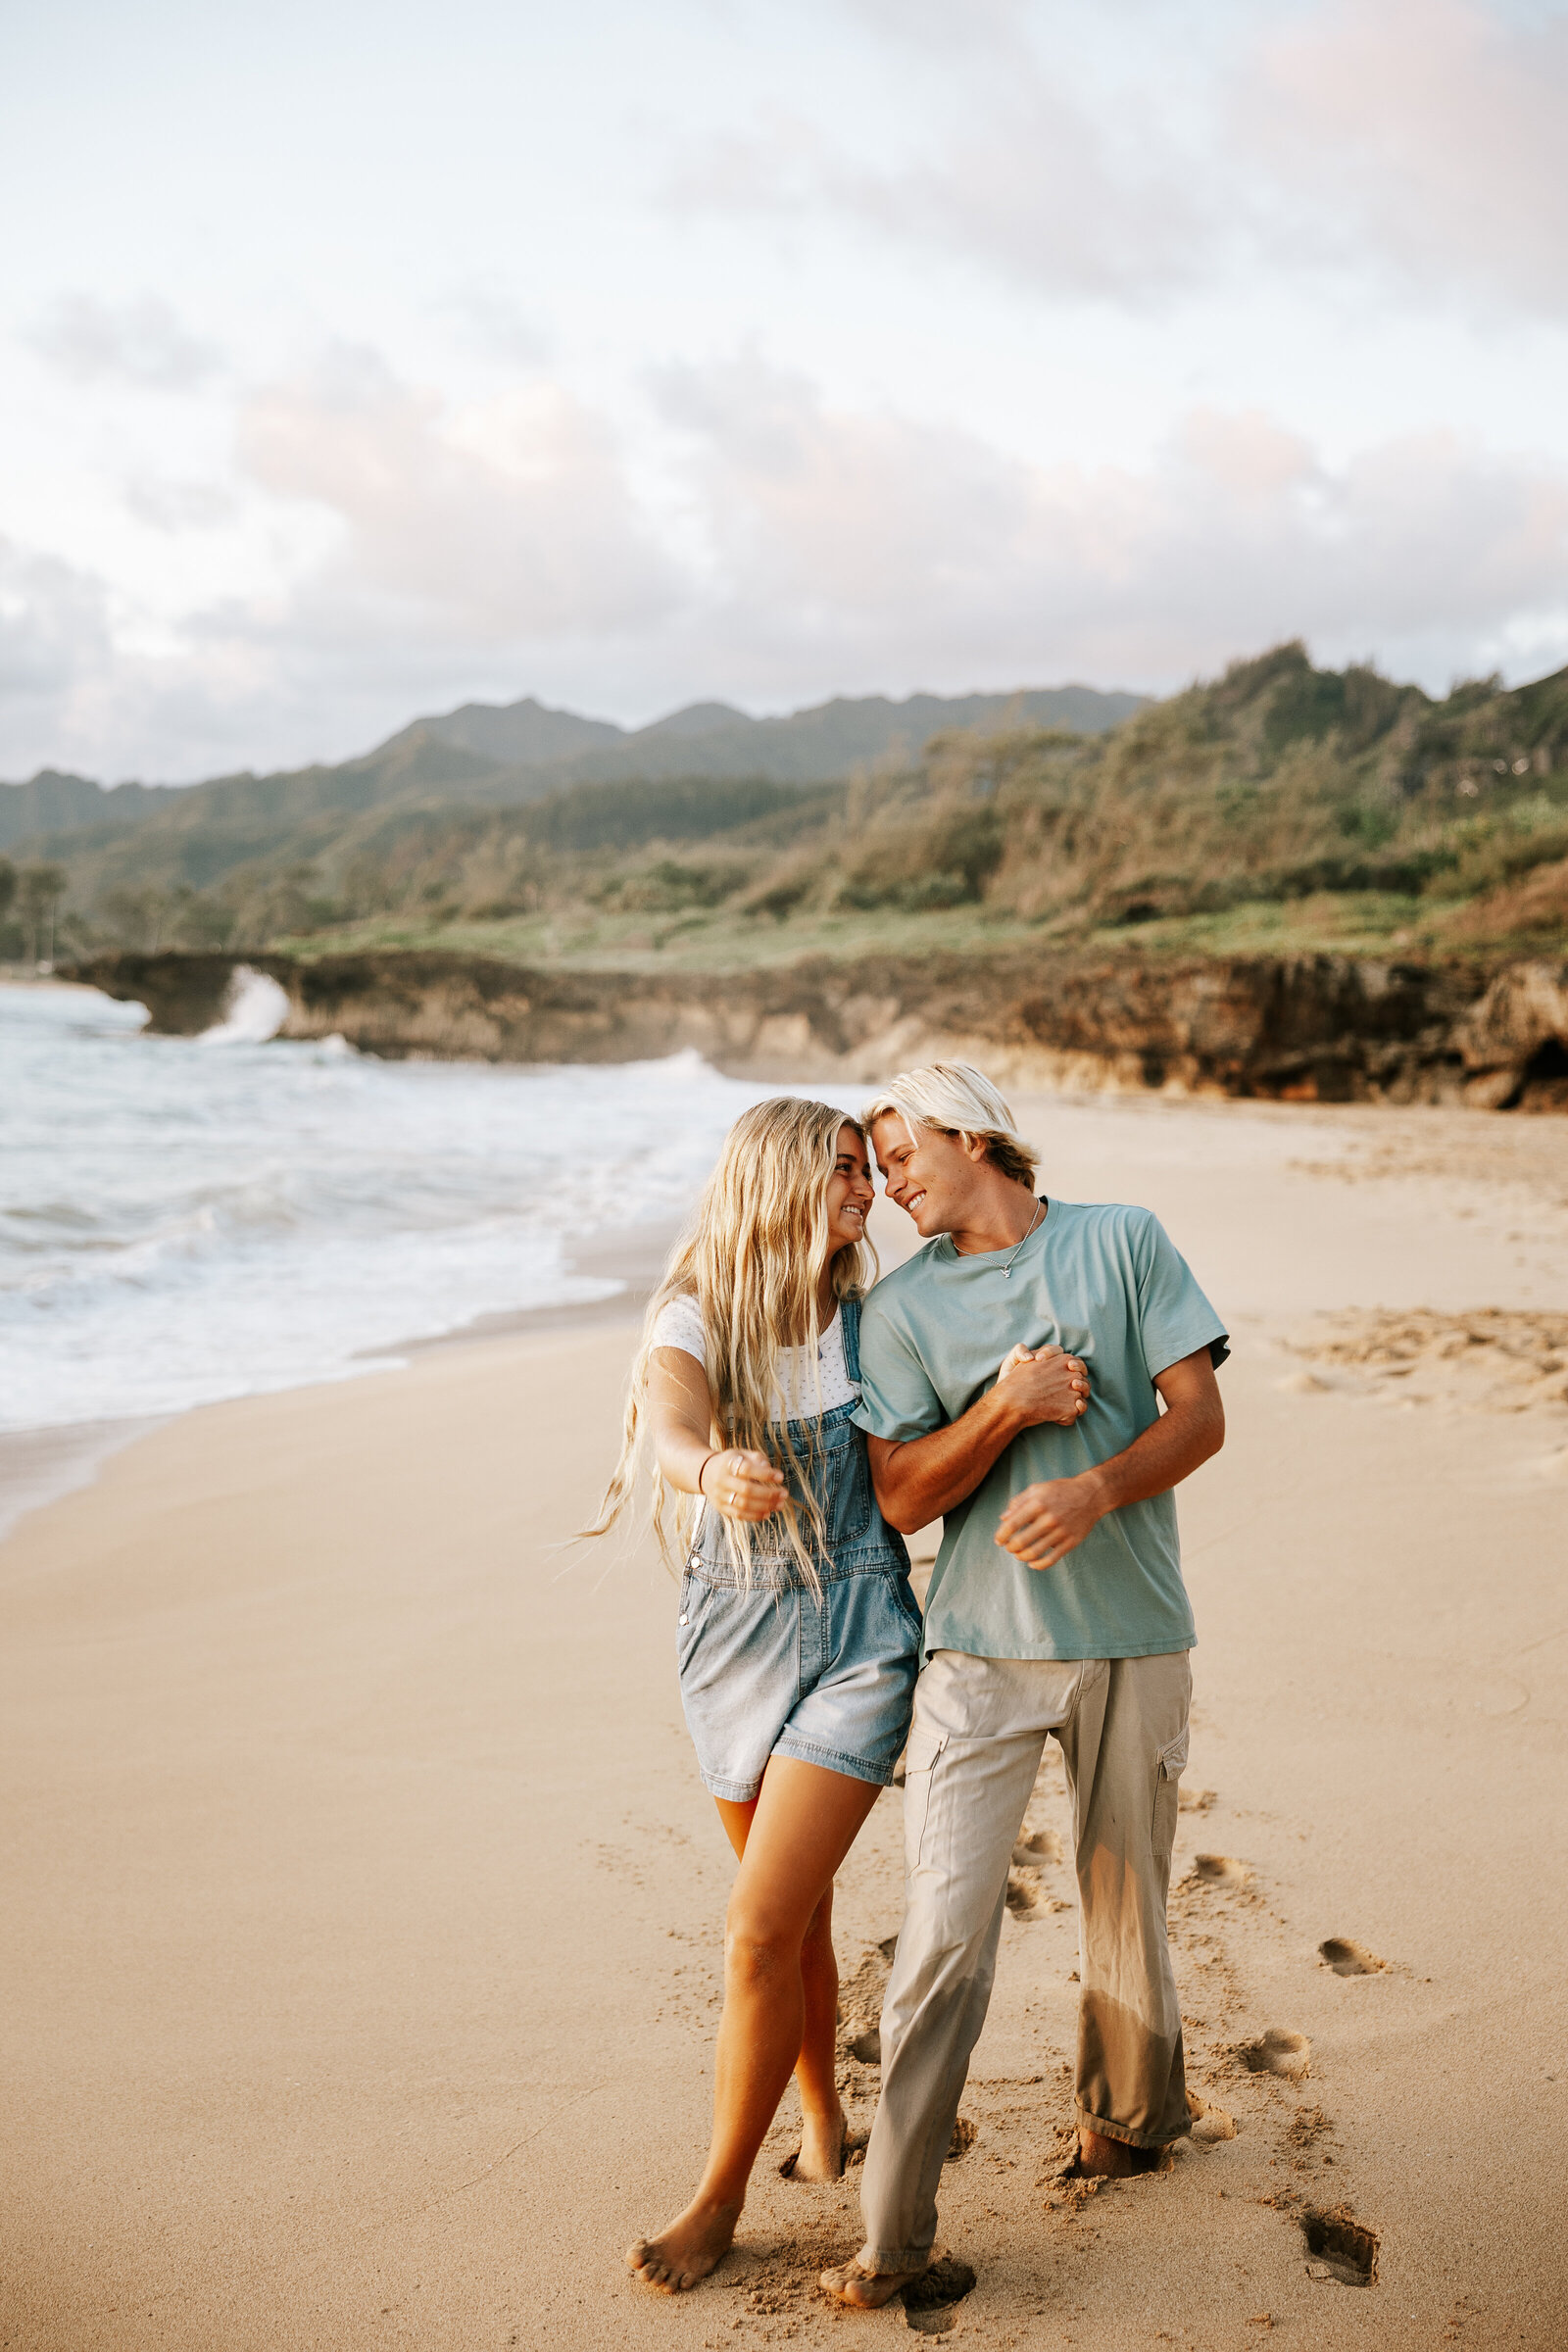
<point x="361" y="1906"/>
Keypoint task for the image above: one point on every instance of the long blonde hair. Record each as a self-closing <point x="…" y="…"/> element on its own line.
<point x="750" y="1257"/>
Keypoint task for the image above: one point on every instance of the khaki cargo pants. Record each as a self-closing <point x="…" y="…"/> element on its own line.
<point x="979" y="1729"/>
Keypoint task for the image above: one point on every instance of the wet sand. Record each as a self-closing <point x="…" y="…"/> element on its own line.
<point x="359" y="1906"/>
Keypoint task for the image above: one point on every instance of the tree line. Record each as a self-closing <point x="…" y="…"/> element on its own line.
<point x="30" y="910"/>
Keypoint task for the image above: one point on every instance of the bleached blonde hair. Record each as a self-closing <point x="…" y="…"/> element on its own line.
<point x="750" y="1257"/>
<point x="957" y="1099"/>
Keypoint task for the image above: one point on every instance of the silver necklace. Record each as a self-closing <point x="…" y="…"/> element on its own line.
<point x="1039" y="1211"/>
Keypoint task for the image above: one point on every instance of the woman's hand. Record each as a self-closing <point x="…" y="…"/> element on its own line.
<point x="741" y="1486"/>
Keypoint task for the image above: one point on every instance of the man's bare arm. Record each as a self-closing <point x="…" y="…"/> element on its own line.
<point x="1043" y="1522"/>
<point x="918" y="1479"/>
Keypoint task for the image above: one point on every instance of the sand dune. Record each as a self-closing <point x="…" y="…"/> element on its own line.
<point x="361" y="1906"/>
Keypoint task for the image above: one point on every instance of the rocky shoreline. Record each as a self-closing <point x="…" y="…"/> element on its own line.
<point x="1309" y="1029"/>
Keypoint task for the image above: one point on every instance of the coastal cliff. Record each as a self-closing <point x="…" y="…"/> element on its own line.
<point x="1313" y="1028"/>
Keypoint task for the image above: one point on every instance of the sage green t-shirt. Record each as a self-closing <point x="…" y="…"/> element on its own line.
<point x="1105" y="1283"/>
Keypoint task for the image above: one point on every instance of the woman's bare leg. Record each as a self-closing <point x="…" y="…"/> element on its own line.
<point x="822" y="2120"/>
<point x="801" y="1826"/>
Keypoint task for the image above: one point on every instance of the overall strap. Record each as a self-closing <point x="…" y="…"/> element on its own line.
<point x="850" y="1317"/>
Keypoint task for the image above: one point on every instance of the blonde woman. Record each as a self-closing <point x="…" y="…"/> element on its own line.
<point x="799" y="1637"/>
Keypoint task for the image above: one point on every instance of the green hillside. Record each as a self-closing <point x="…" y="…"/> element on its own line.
<point x="1277" y="805"/>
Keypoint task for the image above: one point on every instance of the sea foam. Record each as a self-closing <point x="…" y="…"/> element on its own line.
<point x="189" y="1219"/>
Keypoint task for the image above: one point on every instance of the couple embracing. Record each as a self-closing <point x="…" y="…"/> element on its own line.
<point x="1009" y="1380"/>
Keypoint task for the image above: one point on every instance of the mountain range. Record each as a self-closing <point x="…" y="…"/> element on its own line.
<point x="507" y="755"/>
<point x="1278" y="802"/>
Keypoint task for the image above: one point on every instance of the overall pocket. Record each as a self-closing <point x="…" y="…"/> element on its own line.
<point x="845" y="1474"/>
<point x="903" y="1593"/>
<point x="693" y="1595"/>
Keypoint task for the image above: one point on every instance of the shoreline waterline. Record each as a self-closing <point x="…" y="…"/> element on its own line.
<point x="42" y="1465"/>
<point x="184" y="1220"/>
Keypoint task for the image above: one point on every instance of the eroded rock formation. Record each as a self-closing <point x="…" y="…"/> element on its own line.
<point x="1314" y="1028"/>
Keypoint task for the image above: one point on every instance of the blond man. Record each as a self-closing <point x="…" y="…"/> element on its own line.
<point x="1057" y="1607"/>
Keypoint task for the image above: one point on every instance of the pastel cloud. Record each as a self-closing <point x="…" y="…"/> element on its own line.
<point x="816" y="547"/>
<point x="927" y="551"/>
<point x="1431" y="131"/>
<point x="143" y="342"/>
<point x="1414" y="144"/>
<point x="515" y="522"/>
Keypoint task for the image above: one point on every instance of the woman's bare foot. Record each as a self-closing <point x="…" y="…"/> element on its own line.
<point x="865" y="2290"/>
<point x="693" y="2245"/>
<point x="824" y="2149"/>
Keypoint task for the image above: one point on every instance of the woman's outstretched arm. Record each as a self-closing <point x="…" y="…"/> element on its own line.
<point x="741" y="1486"/>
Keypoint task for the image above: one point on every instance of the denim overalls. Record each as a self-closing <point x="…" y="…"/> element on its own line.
<point x="778" y="1670"/>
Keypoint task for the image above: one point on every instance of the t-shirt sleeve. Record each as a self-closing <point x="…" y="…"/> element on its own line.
<point x="1174" y="1317"/>
<point x="679" y="1324"/>
<point x="896" y="1399"/>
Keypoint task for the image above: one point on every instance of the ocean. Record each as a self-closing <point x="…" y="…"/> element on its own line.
<point x="184" y="1220"/>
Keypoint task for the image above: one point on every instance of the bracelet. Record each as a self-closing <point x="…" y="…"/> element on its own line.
<point x="712" y="1456"/>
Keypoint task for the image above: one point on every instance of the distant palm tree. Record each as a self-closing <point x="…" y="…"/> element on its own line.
<point x="39" y="890"/>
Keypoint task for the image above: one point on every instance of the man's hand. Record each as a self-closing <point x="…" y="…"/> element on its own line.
<point x="1044" y="1384"/>
<point x="1043" y="1522"/>
<point x="921" y="1479"/>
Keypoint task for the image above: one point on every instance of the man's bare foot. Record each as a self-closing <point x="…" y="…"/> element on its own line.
<point x="866" y="2290"/>
<point x="823" y="2152"/>
<point x="692" y="2246"/>
<point x="1102" y="2159"/>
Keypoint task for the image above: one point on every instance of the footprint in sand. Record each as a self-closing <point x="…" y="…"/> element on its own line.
<point x="1027" y="1899"/>
<point x="1035" y="1848"/>
<point x="860" y="1998"/>
<point x="926" y="2303"/>
<point x="1278" y="2052"/>
<point x="965" y="2130"/>
<point x="1194" y="1800"/>
<point x="1222" y="1870"/>
<point x="1339" y="2246"/>
<point x="1347" y="1959"/>
<point x="1209" y="2123"/>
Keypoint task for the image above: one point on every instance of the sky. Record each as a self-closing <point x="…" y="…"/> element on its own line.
<point x="358" y="361"/>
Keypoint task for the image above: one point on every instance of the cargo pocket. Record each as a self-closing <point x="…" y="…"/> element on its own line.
<point x="1172" y="1764"/>
<point x="918" y="1759"/>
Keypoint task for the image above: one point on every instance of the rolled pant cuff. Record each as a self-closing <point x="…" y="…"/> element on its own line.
<point x="1125" y="2133"/>
<point x="883" y="2261"/>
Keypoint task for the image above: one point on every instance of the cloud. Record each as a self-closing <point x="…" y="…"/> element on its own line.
<point x="1029" y="181"/>
<point x="1411" y="146"/>
<point x="141" y="342"/>
<point x="1431" y="131"/>
<point x="54" y="628"/>
<point x="514" y="521"/>
<point x="803" y="548"/>
<point x="171" y="506"/>
<point x="915" y="553"/>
